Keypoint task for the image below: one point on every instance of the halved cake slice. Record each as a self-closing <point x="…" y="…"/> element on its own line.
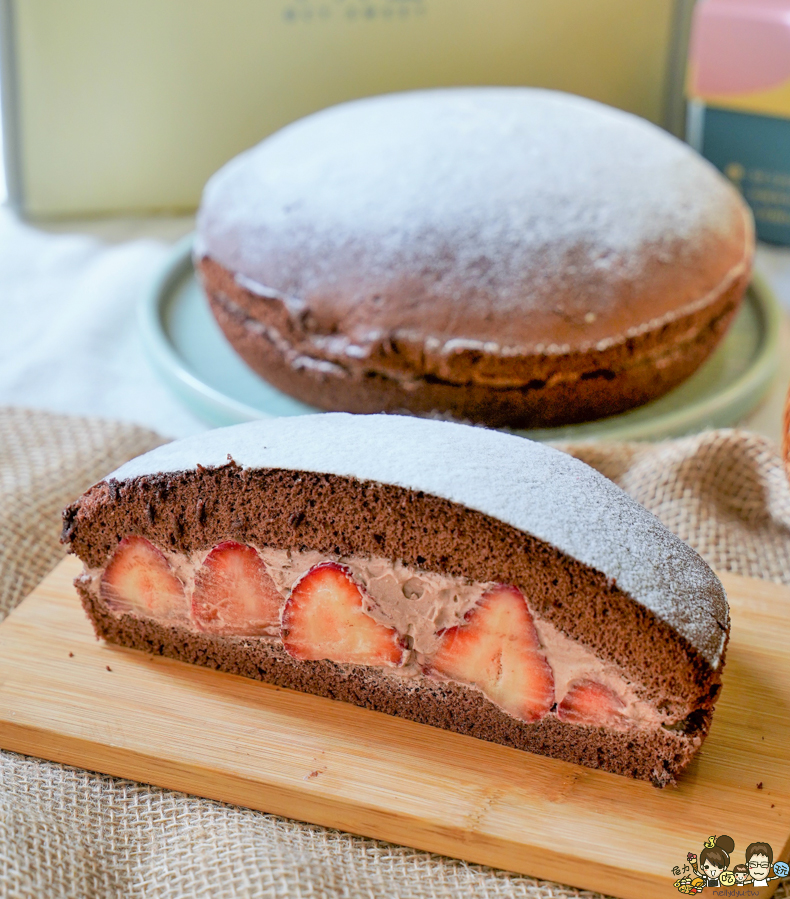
<point x="455" y="576"/>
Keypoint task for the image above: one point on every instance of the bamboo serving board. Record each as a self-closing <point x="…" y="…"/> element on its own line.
<point x="65" y="696"/>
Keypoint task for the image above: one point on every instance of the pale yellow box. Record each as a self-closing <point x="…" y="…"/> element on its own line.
<point x="129" y="105"/>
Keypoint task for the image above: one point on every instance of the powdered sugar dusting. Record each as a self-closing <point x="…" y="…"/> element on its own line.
<point x="527" y="485"/>
<point x="489" y="190"/>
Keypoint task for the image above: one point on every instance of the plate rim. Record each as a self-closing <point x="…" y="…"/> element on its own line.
<point x="209" y="402"/>
<point x="168" y="363"/>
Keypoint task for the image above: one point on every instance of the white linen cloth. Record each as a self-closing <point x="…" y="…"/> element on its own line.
<point x="69" y="340"/>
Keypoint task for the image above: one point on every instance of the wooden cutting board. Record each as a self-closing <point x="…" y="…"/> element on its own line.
<point x="67" y="697"/>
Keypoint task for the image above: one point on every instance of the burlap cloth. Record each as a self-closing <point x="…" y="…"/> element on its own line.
<point x="69" y="833"/>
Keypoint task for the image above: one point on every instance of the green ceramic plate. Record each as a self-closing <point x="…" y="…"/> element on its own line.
<point x="191" y="354"/>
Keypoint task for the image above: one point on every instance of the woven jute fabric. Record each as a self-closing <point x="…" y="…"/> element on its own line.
<point x="70" y="833"/>
<point x="723" y="492"/>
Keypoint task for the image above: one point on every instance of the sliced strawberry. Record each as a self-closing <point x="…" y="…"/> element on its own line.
<point x="497" y="650"/>
<point x="234" y="594"/>
<point x="588" y="702"/>
<point x="139" y="579"/>
<point x="326" y="617"/>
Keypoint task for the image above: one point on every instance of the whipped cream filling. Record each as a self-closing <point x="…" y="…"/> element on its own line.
<point x="420" y="605"/>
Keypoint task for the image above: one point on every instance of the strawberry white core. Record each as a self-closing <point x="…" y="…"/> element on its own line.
<point x="373" y="612"/>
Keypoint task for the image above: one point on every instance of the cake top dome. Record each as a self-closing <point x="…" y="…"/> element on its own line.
<point x="527" y="485"/>
<point x="442" y="212"/>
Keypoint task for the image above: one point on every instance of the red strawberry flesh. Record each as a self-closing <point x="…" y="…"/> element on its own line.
<point x="234" y="595"/>
<point x="592" y="703"/>
<point x="326" y="617"/>
<point x="498" y="651"/>
<point x="139" y="579"/>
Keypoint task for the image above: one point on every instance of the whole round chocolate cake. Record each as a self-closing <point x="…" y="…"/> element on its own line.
<point x="509" y="256"/>
<point x="452" y="575"/>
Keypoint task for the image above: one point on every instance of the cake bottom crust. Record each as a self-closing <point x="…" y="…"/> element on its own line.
<point x="657" y="755"/>
<point x="583" y="387"/>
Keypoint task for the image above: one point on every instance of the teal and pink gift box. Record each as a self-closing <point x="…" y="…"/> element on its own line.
<point x="739" y="102"/>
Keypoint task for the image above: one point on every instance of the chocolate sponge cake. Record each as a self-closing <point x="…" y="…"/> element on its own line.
<point x="455" y="576"/>
<point x="508" y="256"/>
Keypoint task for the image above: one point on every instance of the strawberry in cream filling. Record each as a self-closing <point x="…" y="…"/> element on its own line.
<point x="375" y="612"/>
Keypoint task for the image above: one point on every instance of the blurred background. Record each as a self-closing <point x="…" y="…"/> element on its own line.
<point x="115" y="113"/>
<point x="129" y="107"/>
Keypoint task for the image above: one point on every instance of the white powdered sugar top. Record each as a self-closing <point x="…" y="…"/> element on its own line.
<point x="479" y="187"/>
<point x="527" y="485"/>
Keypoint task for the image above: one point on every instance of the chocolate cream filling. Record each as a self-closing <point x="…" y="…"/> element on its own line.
<point x="421" y="606"/>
